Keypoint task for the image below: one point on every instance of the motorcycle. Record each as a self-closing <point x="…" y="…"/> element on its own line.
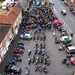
<point x="45" y="69"/>
<point x="36" y="45"/>
<point x="27" y="72"/>
<point x="29" y="61"/>
<point x="29" y="52"/>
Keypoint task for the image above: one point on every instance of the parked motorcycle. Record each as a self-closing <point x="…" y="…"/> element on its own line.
<point x="27" y="71"/>
<point x="45" y="69"/>
<point x="29" y="52"/>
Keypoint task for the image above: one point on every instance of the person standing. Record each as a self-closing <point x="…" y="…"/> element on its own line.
<point x="30" y="3"/>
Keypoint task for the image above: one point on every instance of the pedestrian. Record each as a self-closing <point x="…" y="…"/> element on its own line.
<point x="71" y="35"/>
<point x="41" y="46"/>
<point x="29" y="61"/>
<point x="44" y="37"/>
<point x="29" y="52"/>
<point x="54" y="34"/>
<point x="36" y="45"/>
<point x="36" y="51"/>
<point x="27" y="72"/>
<point x="38" y="37"/>
<point x="34" y="59"/>
<point x="30" y="3"/>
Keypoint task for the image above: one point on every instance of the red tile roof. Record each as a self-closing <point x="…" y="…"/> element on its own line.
<point x="11" y="15"/>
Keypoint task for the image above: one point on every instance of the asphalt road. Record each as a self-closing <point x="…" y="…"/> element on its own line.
<point x="56" y="57"/>
<point x="56" y="67"/>
<point x="69" y="19"/>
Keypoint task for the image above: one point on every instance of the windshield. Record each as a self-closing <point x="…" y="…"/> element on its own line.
<point x="72" y="51"/>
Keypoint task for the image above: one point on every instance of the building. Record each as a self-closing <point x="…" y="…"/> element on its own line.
<point x="71" y="3"/>
<point x="10" y="20"/>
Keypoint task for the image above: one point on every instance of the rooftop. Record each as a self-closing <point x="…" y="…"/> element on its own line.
<point x="3" y="31"/>
<point x="9" y="16"/>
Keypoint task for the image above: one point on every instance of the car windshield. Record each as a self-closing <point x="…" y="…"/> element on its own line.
<point x="72" y="51"/>
<point x="20" y="44"/>
<point x="27" y="34"/>
<point x="21" y="47"/>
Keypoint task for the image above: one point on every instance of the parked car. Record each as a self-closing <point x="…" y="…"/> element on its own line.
<point x="70" y="52"/>
<point x="17" y="55"/>
<point x="56" y="22"/>
<point x="26" y="36"/>
<point x="18" y="59"/>
<point x="66" y="39"/>
<point x="18" y="52"/>
<point x="20" y="47"/>
<point x="13" y="69"/>
<point x="20" y="44"/>
<point x="12" y="61"/>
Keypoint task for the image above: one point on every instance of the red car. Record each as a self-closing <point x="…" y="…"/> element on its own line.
<point x="18" y="51"/>
<point x="16" y="55"/>
<point x="57" y="22"/>
<point x="72" y="60"/>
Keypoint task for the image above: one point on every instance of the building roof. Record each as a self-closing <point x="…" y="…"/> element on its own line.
<point x="10" y="16"/>
<point x="3" y="31"/>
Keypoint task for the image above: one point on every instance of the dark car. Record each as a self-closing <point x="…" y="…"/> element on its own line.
<point x="20" y="44"/>
<point x="12" y="69"/>
<point x="18" y="51"/>
<point x="20" y="47"/>
<point x="70" y="53"/>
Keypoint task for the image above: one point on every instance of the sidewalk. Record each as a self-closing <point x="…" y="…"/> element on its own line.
<point x="24" y="4"/>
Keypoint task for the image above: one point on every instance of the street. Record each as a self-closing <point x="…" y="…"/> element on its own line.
<point x="69" y="19"/>
<point x="56" y="56"/>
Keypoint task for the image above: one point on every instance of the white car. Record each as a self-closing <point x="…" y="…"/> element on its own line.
<point x="65" y="37"/>
<point x="26" y="35"/>
<point x="70" y="50"/>
<point x="63" y="12"/>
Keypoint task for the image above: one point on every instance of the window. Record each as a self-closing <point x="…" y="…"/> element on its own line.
<point x="3" y="29"/>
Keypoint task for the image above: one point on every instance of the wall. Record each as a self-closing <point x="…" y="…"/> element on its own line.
<point x="9" y="37"/>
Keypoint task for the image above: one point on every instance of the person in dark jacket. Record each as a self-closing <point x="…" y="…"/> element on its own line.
<point x="30" y="3"/>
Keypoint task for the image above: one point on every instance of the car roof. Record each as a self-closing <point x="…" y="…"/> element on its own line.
<point x="63" y="37"/>
<point x="71" y="47"/>
<point x="64" y="10"/>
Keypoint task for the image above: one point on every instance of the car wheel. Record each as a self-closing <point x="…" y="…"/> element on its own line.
<point x="64" y="61"/>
